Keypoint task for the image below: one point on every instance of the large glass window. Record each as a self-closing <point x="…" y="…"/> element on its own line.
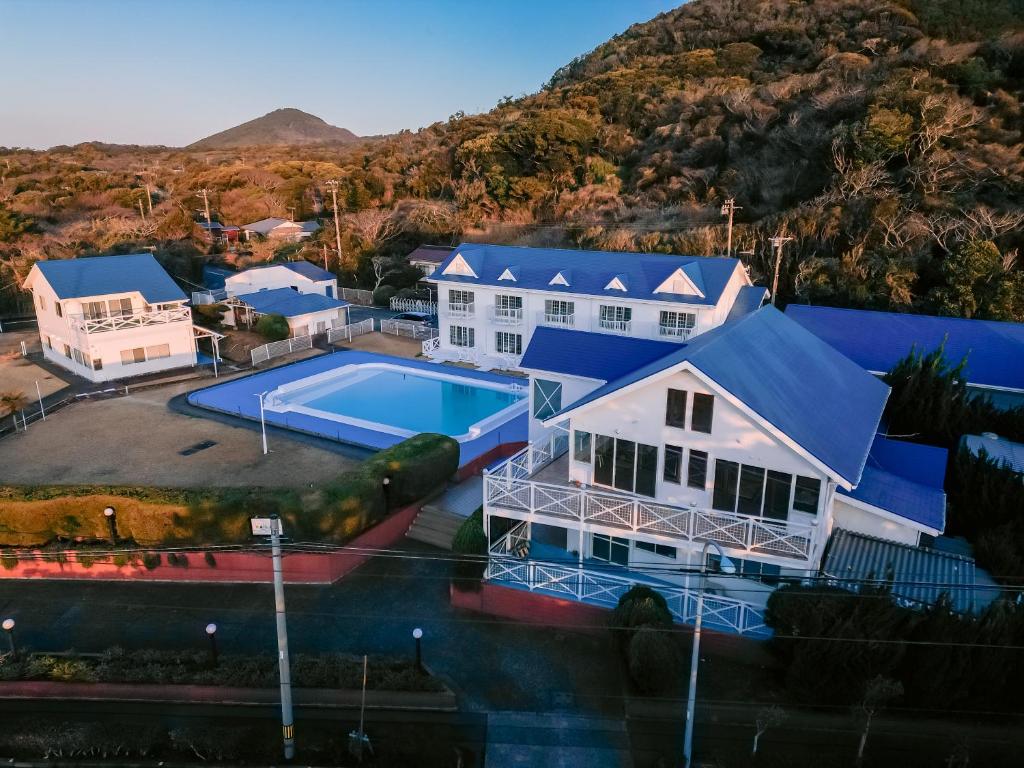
<point x="726" y="475"/>
<point x="462" y="336"/>
<point x="459" y="298"/>
<point x="805" y="497"/>
<point x="675" y="408"/>
<point x="657" y="549"/>
<point x="129" y="356"/>
<point x="646" y="469"/>
<point x="703" y="412"/>
<point x="94" y="310"/>
<point x="697" y="470"/>
<point x="508" y="343"/>
<point x="676" y="324"/>
<point x="604" y="458"/>
<point x="547" y="398"/>
<point x="615" y="318"/>
<point x="508" y="302"/>
<point x="120" y="307"/>
<point x="558" y="307"/>
<point x="611" y="549"/>
<point x="776" y="494"/>
<point x="625" y="457"/>
<point x="581" y="446"/>
<point x="158" y="351"/>
<point x="673" y="464"/>
<point x="751" y="490"/>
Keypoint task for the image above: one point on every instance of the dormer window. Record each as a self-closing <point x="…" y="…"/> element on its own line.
<point x="510" y="274"/>
<point x="617" y="283"/>
<point x="684" y="281"/>
<point x="459" y="266"/>
<point x="562" y="278"/>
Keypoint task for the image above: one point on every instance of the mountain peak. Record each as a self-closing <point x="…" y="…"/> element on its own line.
<point x="287" y="126"/>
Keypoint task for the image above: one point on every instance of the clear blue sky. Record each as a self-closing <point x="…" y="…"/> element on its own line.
<point x="149" y="72"/>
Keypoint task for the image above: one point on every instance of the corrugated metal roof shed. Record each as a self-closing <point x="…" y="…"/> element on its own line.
<point x="918" y="574"/>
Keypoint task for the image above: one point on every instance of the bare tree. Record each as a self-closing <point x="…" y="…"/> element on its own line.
<point x="771" y="716"/>
<point x="375" y="226"/>
<point x="878" y="692"/>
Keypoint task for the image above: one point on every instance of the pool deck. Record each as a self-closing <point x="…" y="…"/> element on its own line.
<point x="238" y="397"/>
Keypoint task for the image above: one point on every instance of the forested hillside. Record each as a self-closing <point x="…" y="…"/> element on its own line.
<point x="884" y="137"/>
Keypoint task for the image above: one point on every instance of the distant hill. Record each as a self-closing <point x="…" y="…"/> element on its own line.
<point x="282" y="127"/>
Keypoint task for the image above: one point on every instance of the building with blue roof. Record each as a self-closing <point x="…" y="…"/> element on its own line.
<point x="301" y="276"/>
<point x="112" y="317"/>
<point x="306" y="313"/>
<point x="755" y="440"/>
<point x="876" y="341"/>
<point x="491" y="298"/>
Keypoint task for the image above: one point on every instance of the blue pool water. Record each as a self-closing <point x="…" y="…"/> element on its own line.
<point x="412" y="402"/>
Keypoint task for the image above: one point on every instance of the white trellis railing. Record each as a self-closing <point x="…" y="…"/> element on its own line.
<point x="408" y="329"/>
<point x="507" y="488"/>
<point x="431" y="346"/>
<point x="350" y="331"/>
<point x="537" y="454"/>
<point x="413" y="305"/>
<point x="136" y="320"/>
<point x="278" y="348"/>
<point x="604" y="588"/>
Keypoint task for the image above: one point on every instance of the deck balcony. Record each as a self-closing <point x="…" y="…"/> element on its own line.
<point x="533" y="485"/>
<point x="673" y="333"/>
<point x="515" y="561"/>
<point x="506" y="316"/>
<point x="103" y="324"/>
<point x="460" y="309"/>
<point x="556" y="320"/>
<point x="615" y="326"/>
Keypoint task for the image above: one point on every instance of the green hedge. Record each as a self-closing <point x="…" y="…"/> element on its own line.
<point x="273" y="327"/>
<point x="642" y="627"/>
<point x="470" y="539"/>
<point x="335" y="511"/>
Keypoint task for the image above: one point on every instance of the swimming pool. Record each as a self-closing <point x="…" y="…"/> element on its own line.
<point x="400" y="400"/>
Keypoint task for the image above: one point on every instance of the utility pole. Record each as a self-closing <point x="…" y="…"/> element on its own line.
<point x="728" y="209"/>
<point x="333" y="184"/>
<point x="149" y="200"/>
<point x="287" y="721"/>
<point x="325" y="254"/>
<point x="142" y="211"/>
<point x="777" y="242"/>
<point x="206" y="202"/>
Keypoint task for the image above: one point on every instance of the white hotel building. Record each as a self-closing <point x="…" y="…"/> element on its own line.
<point x="491" y="298"/>
<point x="112" y="317"/>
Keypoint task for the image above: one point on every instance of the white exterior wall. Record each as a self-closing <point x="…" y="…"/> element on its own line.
<point x="858" y="520"/>
<point x="645" y="314"/>
<point x="573" y="388"/>
<point x="302" y="325"/>
<point x="56" y="331"/>
<point x="266" y="278"/>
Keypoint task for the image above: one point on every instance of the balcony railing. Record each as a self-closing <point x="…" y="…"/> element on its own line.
<point x="507" y="488"/>
<point x="557" y="320"/>
<point x="615" y="326"/>
<point x="673" y="333"/>
<point x="136" y="320"/>
<point x="461" y="309"/>
<point x="604" y="588"/>
<point x="506" y="316"/>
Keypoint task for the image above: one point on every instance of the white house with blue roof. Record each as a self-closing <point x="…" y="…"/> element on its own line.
<point x="491" y="298"/>
<point x="111" y="317"/>
<point x="754" y="435"/>
<point x="300" y="276"/>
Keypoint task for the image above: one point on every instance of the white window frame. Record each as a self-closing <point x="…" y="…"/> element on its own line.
<point x="502" y="344"/>
<point x="462" y="336"/>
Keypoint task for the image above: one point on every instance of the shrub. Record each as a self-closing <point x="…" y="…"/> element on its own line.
<point x="417" y="466"/>
<point x="9" y="561"/>
<point x="273" y="327"/>
<point x="212" y="313"/>
<point x="382" y="296"/>
<point x="470" y="539"/>
<point x="151" y="560"/>
<point x="121" y="560"/>
<point x="653" y="659"/>
<point x="210" y="559"/>
<point x="641" y="606"/>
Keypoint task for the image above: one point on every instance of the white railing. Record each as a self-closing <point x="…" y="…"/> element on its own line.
<point x="278" y="348"/>
<point x="461" y="309"/>
<point x="604" y="588"/>
<point x="557" y="320"/>
<point x="136" y="320"/>
<point x="350" y="331"/>
<point x="672" y="332"/>
<point x="208" y="297"/>
<point x="507" y="488"/>
<point x="506" y="316"/>
<point x="413" y="305"/>
<point x="408" y="329"/>
<point x="431" y="346"/>
<point x="537" y="454"/>
<point x="616" y="326"/>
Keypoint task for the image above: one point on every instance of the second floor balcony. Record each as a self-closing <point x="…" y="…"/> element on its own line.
<point x="557" y="319"/>
<point x="118" y="322"/>
<point x="615" y="326"/>
<point x="674" y="333"/>
<point x="460" y="309"/>
<point x="506" y="315"/>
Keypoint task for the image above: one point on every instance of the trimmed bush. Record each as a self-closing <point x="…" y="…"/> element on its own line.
<point x="9" y="561"/>
<point x="417" y="466"/>
<point x="210" y="559"/>
<point x="382" y="296"/>
<point x="641" y="606"/>
<point x="273" y="327"/>
<point x="470" y="539"/>
<point x="653" y="660"/>
<point x="151" y="560"/>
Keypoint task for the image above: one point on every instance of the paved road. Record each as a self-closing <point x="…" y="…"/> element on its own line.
<point x="492" y="664"/>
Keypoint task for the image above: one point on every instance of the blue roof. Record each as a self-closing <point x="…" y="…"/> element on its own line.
<point x="878" y="340"/>
<point x="102" y="275"/>
<point x="790" y="378"/>
<point x="998" y="449"/>
<point x="285" y="301"/>
<point x="590" y="271"/>
<point x="308" y="270"/>
<point x="749" y="299"/>
<point x="213" y="276"/>
<point x="591" y="355"/>
<point x="905" y="479"/>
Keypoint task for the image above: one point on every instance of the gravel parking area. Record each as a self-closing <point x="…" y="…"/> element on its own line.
<point x="139" y="440"/>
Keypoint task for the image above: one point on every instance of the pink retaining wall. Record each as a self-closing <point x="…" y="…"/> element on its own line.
<point x="520" y="605"/>
<point x="299" y="568"/>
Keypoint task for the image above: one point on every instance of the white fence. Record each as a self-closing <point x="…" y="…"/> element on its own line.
<point x="137" y="320"/>
<point x="350" y="331"/>
<point x="278" y="348"/>
<point x="356" y="296"/>
<point x="208" y="297"/>
<point x="413" y="305"/>
<point x="408" y="329"/>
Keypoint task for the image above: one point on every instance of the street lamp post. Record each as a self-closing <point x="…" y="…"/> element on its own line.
<point x="8" y="626"/>
<point x="386" y="487"/>
<point x="263" y="423"/>
<point x="211" y="631"/>
<point x="111" y="516"/>
<point x="418" y="637"/>
<point x="691" y="698"/>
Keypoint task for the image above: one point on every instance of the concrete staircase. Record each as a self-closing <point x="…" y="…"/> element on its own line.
<point x="435" y="526"/>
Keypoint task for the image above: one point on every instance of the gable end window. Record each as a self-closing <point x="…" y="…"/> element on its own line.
<point x="581" y="446"/>
<point x="673" y="464"/>
<point x="697" y="470"/>
<point x="703" y="412"/>
<point x="547" y="398"/>
<point x="675" y="408"/>
<point x="805" y="496"/>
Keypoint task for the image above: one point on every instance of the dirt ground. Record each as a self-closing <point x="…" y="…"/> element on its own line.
<point x="138" y="440"/>
<point x="20" y="375"/>
<point x="385" y="344"/>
